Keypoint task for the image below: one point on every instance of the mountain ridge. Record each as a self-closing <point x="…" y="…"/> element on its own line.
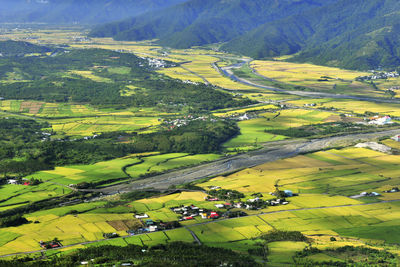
<point x="76" y="11"/>
<point x="200" y="22"/>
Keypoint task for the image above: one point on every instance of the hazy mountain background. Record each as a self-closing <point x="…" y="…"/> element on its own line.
<point x="76" y="11"/>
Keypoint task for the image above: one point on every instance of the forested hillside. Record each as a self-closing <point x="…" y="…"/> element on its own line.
<point x="349" y="34"/>
<point x="199" y="22"/>
<point x="76" y="11"/>
<point x="12" y="48"/>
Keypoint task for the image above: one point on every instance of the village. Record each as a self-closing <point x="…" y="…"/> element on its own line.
<point x="176" y="123"/>
<point x="232" y="208"/>
<point x="379" y="76"/>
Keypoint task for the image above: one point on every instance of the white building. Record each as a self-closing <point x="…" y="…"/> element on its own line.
<point x="396" y="138"/>
<point x="381" y="121"/>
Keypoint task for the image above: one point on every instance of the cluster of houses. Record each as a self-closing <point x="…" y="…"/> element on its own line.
<point x="258" y="203"/>
<point x="191" y="211"/>
<point x="156" y="63"/>
<point x="377" y="120"/>
<point x="255" y="203"/>
<point x="379" y="76"/>
<point x="172" y="124"/>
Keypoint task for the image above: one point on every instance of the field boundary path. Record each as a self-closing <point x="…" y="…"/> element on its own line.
<point x="187" y="227"/>
<point x="193" y="234"/>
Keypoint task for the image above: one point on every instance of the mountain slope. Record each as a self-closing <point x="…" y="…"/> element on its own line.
<point x="77" y="11"/>
<point x="351" y="34"/>
<point x="13" y="48"/>
<point x="199" y="22"/>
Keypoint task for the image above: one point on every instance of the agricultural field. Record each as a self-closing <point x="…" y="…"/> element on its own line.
<point x="241" y="111"/>
<point x="85" y="120"/>
<point x="337" y="174"/>
<point x="321" y="211"/>
<point x="56" y="36"/>
<point x="69" y="229"/>
<point x="130" y="167"/>
<point x="320" y="78"/>
<point x="255" y="131"/>
<point x="12" y="196"/>
<point x="352" y="106"/>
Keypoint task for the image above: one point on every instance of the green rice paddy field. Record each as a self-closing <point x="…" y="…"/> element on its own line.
<point x="84" y="120"/>
<point x="322" y="210"/>
<point x="135" y="166"/>
<point x="252" y="131"/>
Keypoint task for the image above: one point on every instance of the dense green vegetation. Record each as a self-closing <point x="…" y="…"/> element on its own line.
<point x="14" y="220"/>
<point x="173" y="254"/>
<point x="226" y="194"/>
<point x="57" y="79"/>
<point x="199" y="22"/>
<point x="324" y="129"/>
<point x="12" y="48"/>
<point x="23" y="152"/>
<point x="277" y="235"/>
<point x="196" y="137"/>
<point x="346" y="256"/>
<point x="348" y="44"/>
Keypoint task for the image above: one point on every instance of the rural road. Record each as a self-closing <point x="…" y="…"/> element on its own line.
<point x="271" y="151"/>
<point x="195" y="237"/>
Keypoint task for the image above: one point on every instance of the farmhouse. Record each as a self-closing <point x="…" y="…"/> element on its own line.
<point x="143" y="216"/>
<point x="213" y="215"/>
<point x="396" y="138"/>
<point x="380" y="120"/>
<point x="50" y="244"/>
<point x="12" y="181"/>
<point x="152" y="228"/>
